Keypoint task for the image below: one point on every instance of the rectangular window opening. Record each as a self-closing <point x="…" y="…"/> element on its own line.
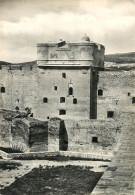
<point x="62" y="112"/>
<point x="2" y="89"/>
<point x="95" y="139"/>
<point x="75" y="101"/>
<point x="133" y="100"/>
<point x="45" y="100"/>
<point x="55" y="88"/>
<point x="128" y="94"/>
<point x="100" y="92"/>
<point x="110" y="114"/>
<point x="62" y="99"/>
<point x="64" y="75"/>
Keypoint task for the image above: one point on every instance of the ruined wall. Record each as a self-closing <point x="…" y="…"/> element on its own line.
<point x="22" y="133"/>
<point x="38" y="135"/>
<point x="5" y="132"/>
<point x="94" y="135"/>
<point x="53" y="134"/>
<point x="90" y="136"/>
<point x="118" y="91"/>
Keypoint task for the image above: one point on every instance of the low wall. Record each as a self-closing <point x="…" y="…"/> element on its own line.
<point x="86" y="136"/>
<point x="94" y="135"/>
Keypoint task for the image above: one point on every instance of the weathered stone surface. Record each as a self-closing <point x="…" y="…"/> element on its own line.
<point x="121" y="180"/>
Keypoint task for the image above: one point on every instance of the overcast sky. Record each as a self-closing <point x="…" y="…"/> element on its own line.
<point x="23" y="23"/>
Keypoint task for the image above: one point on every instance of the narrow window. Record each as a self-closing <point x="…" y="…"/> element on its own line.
<point x="100" y="92"/>
<point x="94" y="139"/>
<point x="70" y="91"/>
<point x="133" y="100"/>
<point x="48" y="117"/>
<point x="0" y="67"/>
<point x="64" y="75"/>
<point x="2" y="89"/>
<point x="20" y="68"/>
<point x="55" y="88"/>
<point x="110" y="114"/>
<point x="45" y="100"/>
<point x="62" y="112"/>
<point x="62" y="99"/>
<point x="74" y="101"/>
<point x="128" y="94"/>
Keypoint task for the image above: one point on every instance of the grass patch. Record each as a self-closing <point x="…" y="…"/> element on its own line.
<point x="7" y="165"/>
<point x="55" y="158"/>
<point x="68" y="180"/>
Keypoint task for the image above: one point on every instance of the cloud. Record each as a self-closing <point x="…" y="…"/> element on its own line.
<point x="111" y="24"/>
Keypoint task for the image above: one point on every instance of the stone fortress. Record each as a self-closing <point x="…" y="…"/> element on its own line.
<point x="66" y="101"/>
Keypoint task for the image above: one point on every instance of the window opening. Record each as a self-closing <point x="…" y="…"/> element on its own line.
<point x="133" y="100"/>
<point x="62" y="112"/>
<point x="70" y="91"/>
<point x="128" y="94"/>
<point x="64" y="75"/>
<point x="55" y="87"/>
<point x="110" y="114"/>
<point x="62" y="99"/>
<point x="45" y="100"/>
<point x="2" y="89"/>
<point x="100" y="92"/>
<point x="74" y="101"/>
<point x="94" y="139"/>
<point x="48" y="117"/>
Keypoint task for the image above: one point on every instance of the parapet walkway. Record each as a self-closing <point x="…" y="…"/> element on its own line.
<point x="119" y="178"/>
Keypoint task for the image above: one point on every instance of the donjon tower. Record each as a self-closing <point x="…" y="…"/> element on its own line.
<point x="67" y="78"/>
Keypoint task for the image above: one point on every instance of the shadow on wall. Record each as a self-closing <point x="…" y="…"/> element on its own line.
<point x="63" y="137"/>
<point x="38" y="136"/>
<point x="93" y="94"/>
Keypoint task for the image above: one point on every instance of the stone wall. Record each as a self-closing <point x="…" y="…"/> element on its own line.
<point x="90" y="136"/>
<point x="94" y="135"/>
<point x="20" y="82"/>
<point x="53" y="134"/>
<point x="22" y="133"/>
<point x="76" y="78"/>
<point x="5" y="132"/>
<point x="118" y="91"/>
<point x="38" y="135"/>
